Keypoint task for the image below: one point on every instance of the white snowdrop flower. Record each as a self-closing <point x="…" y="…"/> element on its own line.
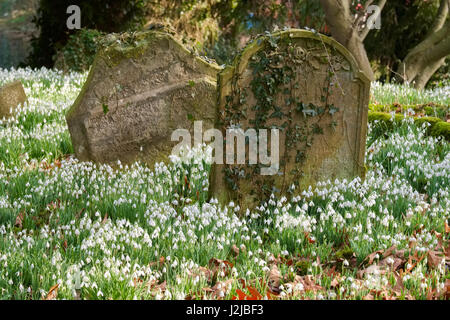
<point x="299" y="287"/>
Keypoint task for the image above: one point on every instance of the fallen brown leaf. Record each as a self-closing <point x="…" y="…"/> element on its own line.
<point x="274" y="279"/>
<point x="254" y="294"/>
<point x="398" y="287"/>
<point x="240" y="295"/>
<point x="392" y="263"/>
<point x="160" y="287"/>
<point x="19" y="220"/>
<point x="53" y="292"/>
<point x="159" y="263"/>
<point x="372" y="269"/>
<point x="202" y="272"/>
<point x="311" y="241"/>
<point x="273" y="260"/>
<point x="369" y="296"/>
<point x="418" y="260"/>
<point x="372" y="256"/>
<point x="433" y="259"/>
<point x="309" y="284"/>
<point x="235" y="250"/>
<point x="220" y="263"/>
<point x="152" y="286"/>
<point x="335" y="282"/>
<point x="219" y="289"/>
<point x="389" y="251"/>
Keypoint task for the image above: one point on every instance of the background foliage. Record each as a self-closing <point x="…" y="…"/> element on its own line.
<point x="102" y="15"/>
<point x="219" y="28"/>
<point x="404" y="24"/>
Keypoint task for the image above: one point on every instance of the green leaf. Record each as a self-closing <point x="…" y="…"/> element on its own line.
<point x="105" y="108"/>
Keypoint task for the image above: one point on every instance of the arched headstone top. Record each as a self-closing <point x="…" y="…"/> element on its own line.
<point x="241" y="60"/>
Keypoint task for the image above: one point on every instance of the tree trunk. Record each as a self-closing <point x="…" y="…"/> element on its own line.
<point x="426" y="58"/>
<point x="429" y="55"/>
<point x="340" y="23"/>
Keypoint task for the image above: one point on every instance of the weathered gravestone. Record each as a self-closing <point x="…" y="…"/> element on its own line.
<point x="12" y="95"/>
<point x="310" y="88"/>
<point x="141" y="87"/>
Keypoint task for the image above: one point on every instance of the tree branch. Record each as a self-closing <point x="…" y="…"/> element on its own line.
<point x="441" y="16"/>
<point x="441" y="48"/>
<point x="373" y="17"/>
<point x="340" y="21"/>
<point x="425" y="58"/>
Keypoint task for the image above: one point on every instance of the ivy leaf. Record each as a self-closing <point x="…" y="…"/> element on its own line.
<point x="277" y="113"/>
<point x="320" y="110"/>
<point x="300" y="106"/>
<point x="105" y="108"/>
<point x="300" y="156"/>
<point x="317" y="129"/>
<point x="309" y="112"/>
<point x="332" y="109"/>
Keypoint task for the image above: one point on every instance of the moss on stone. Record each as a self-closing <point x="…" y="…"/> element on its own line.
<point x="131" y="45"/>
<point x="385" y="118"/>
<point x="436" y="128"/>
<point x="345" y="253"/>
<point x="441" y="129"/>
<point x="435" y="110"/>
<point x="432" y="121"/>
<point x="301" y="267"/>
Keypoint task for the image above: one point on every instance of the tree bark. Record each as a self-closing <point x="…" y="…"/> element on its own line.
<point x="439" y="22"/>
<point x="340" y="22"/>
<point x="429" y="55"/>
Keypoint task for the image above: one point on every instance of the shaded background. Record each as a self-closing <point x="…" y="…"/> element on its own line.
<point x="34" y="33"/>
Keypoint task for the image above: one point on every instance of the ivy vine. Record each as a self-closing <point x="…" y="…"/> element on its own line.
<point x="274" y="69"/>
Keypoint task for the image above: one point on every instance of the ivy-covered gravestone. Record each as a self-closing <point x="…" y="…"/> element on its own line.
<point x="141" y="87"/>
<point x="309" y="89"/>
